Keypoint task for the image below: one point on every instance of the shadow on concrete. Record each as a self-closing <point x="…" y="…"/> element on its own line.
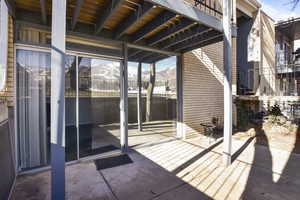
<point x="145" y="179"/>
<point x="263" y="182"/>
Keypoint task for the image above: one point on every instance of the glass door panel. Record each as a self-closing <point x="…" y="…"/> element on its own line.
<point x="70" y="107"/>
<point x="33" y="103"/>
<point x="99" y="106"/>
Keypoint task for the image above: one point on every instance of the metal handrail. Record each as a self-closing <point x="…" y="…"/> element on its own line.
<point x="205" y="4"/>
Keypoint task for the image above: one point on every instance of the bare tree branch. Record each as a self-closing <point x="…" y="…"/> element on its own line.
<point x="295" y="3"/>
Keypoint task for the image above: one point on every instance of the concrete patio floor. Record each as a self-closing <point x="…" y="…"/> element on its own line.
<point x="153" y="131"/>
<point x="175" y="169"/>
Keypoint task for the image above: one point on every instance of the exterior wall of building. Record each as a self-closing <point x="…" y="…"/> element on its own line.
<point x="286" y="80"/>
<point x="268" y="84"/>
<point x="244" y="67"/>
<point x="8" y="93"/>
<point x="203" y="86"/>
<point x="6" y="152"/>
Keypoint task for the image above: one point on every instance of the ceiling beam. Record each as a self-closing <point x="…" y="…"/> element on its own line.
<point x="166" y="33"/>
<point x="154" y="24"/>
<point x="211" y="35"/>
<point x="133" y="18"/>
<point x="155" y="57"/>
<point x="204" y="43"/>
<point x="87" y="34"/>
<point x="158" y="58"/>
<point x="11" y="5"/>
<point x="186" y="43"/>
<point x="188" y="34"/>
<point x="43" y="11"/>
<point x="152" y="58"/>
<point x="110" y="8"/>
<point x="76" y="12"/>
<point x="191" y="12"/>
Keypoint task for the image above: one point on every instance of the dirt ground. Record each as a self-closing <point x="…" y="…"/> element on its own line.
<point x="275" y="136"/>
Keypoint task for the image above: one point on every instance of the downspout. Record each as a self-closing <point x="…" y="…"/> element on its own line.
<point x="3" y="44"/>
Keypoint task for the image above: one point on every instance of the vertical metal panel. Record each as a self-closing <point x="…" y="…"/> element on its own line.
<point x="58" y="48"/>
<point x="124" y="100"/>
<point x="77" y="107"/>
<point x="227" y="82"/>
<point x="179" y="87"/>
<point x="139" y="97"/>
<point x="3" y="43"/>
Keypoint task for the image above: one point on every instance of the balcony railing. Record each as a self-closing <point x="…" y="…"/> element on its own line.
<point x="211" y="7"/>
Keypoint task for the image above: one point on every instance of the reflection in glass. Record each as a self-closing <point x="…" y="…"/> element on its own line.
<point x="99" y="112"/>
<point x="70" y="106"/>
<point x="162" y="123"/>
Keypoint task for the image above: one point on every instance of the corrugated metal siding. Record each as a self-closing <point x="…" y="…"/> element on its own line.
<point x="203" y="86"/>
<point x="9" y="91"/>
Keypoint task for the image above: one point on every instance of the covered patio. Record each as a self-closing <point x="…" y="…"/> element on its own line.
<point x="177" y="170"/>
<point x="117" y="31"/>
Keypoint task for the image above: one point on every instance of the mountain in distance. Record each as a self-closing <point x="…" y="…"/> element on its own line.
<point x="112" y="72"/>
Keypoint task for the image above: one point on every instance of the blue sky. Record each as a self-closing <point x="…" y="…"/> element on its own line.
<point x="280" y="9"/>
<point x="161" y="65"/>
<point x="276" y="9"/>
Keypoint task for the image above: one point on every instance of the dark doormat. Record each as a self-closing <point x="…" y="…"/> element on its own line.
<point x="105" y="163"/>
<point x="100" y="150"/>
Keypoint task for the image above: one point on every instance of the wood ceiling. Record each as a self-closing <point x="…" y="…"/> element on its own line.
<point x="136" y="21"/>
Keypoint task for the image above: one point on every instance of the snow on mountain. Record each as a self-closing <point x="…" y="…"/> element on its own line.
<point x="111" y="71"/>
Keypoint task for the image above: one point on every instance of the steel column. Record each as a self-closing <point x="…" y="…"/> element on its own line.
<point x="139" y="97"/>
<point x="124" y="100"/>
<point x="179" y="87"/>
<point x="58" y="48"/>
<point x="227" y="10"/>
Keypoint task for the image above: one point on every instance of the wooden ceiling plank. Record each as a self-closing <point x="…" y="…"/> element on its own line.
<point x="166" y="33"/>
<point x="43" y="11"/>
<point x="133" y="18"/>
<point x="76" y="13"/>
<point x="188" y="34"/>
<point x="110" y="8"/>
<point x="158" y="21"/>
<point x="210" y="35"/>
<point x="210" y="41"/>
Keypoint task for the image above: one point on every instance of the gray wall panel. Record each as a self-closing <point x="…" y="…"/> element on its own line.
<point x="7" y="168"/>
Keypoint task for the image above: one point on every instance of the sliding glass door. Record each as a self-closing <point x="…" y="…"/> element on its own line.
<point x="33" y="103"/>
<point x="99" y="110"/>
<point x="92" y="98"/>
<point x="71" y="108"/>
